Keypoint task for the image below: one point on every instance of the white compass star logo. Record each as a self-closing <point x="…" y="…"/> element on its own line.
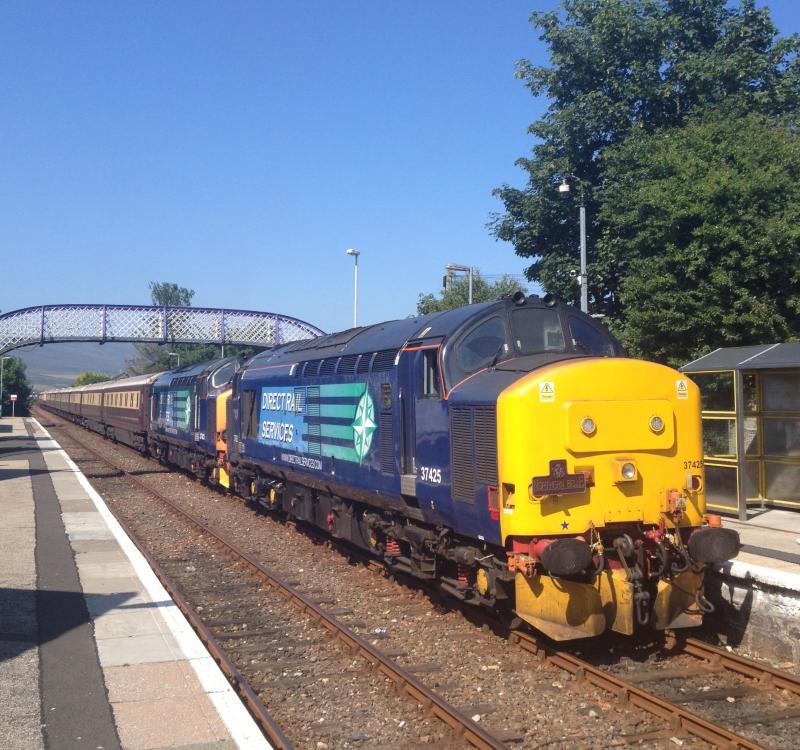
<point x="363" y="426"/>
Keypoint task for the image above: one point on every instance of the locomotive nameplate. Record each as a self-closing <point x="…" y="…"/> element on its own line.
<point x="558" y="482"/>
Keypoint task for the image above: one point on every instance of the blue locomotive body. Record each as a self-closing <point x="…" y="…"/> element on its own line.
<point x="182" y="425"/>
<point x="363" y="415"/>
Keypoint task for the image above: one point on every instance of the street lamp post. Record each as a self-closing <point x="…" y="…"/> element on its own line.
<point x="583" y="277"/>
<point x="450" y="267"/>
<point x="178" y="355"/>
<point x="355" y="254"/>
<point x="2" y="363"/>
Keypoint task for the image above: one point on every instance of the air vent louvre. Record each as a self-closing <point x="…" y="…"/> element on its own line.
<point x="462" y="454"/>
<point x="486" y="445"/>
<point x="386" y="428"/>
<point x="347" y="365"/>
<point x="384" y="360"/>
<point x="328" y="366"/>
<point x="363" y="364"/>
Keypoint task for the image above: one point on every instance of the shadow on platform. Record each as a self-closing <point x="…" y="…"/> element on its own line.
<point x="30" y="618"/>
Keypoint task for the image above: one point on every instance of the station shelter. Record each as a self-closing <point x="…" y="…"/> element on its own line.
<point x="751" y="426"/>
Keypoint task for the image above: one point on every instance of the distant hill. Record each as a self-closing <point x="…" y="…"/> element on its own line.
<point x="57" y="365"/>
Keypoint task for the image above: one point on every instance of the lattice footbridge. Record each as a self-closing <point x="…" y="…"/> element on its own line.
<point x="140" y="323"/>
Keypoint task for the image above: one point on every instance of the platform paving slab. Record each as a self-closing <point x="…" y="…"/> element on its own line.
<point x="20" y="727"/>
<point x="138" y="631"/>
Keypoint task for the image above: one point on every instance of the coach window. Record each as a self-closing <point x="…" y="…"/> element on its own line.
<point x="430" y="373"/>
<point x="590" y="340"/>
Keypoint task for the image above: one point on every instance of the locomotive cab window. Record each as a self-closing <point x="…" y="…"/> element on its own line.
<point x="590" y="340"/>
<point x="224" y="375"/>
<point x="482" y="344"/>
<point x="537" y="330"/>
<point x="430" y="373"/>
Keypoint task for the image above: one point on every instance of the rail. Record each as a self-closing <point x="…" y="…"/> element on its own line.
<point x="432" y="703"/>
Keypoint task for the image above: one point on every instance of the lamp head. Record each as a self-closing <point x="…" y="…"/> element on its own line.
<point x="564" y="186"/>
<point x="351" y="251"/>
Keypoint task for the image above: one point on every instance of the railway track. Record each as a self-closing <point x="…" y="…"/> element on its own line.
<point x="461" y="727"/>
<point x="625" y="688"/>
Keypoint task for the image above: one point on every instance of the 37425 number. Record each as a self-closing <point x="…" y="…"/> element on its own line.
<point x="429" y="474"/>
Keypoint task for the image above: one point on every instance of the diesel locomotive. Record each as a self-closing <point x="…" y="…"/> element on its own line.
<point x="509" y="452"/>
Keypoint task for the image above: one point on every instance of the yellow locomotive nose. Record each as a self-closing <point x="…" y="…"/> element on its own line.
<point x="587" y="449"/>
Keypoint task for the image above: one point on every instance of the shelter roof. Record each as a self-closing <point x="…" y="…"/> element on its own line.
<point x="760" y="357"/>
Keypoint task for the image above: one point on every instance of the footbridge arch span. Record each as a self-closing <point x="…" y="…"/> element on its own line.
<point x="48" y="324"/>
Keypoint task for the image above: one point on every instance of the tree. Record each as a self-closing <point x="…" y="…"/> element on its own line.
<point x="622" y="67"/>
<point x="458" y="293"/>
<point x="169" y="294"/>
<point x="88" y="377"/>
<point x="15" y="380"/>
<point x="704" y="222"/>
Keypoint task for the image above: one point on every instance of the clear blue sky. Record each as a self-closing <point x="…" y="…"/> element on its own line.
<point x="239" y="148"/>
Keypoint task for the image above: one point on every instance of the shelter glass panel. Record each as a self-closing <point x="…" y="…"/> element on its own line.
<point x="782" y="481"/>
<point x="719" y="437"/>
<point x="751" y="436"/>
<point x="781" y="392"/>
<point x="750" y="386"/>
<point x="716" y="390"/>
<point x="752" y="480"/>
<point x="782" y="437"/>
<point x="721" y="486"/>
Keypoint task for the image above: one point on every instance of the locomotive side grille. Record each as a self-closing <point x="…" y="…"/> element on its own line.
<point x="486" y="445"/>
<point x="363" y="364"/>
<point x="347" y="365"/>
<point x="384" y="360"/>
<point x="328" y="366"/>
<point x="387" y="442"/>
<point x="462" y="453"/>
<point x="314" y="434"/>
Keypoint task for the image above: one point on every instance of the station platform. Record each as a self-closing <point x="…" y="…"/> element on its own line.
<point x="770" y="547"/>
<point x="93" y="652"/>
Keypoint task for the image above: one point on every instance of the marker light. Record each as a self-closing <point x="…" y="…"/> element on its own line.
<point x="694" y="482"/>
<point x="656" y="424"/>
<point x="628" y="471"/>
<point x="588" y="426"/>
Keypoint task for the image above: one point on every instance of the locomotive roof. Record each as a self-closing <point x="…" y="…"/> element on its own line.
<point x="391" y="334"/>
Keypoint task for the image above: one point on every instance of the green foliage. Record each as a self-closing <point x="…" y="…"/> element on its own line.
<point x="458" y="293"/>
<point x="168" y="294"/>
<point x="15" y="380"/>
<point x="620" y="69"/>
<point x="704" y="224"/>
<point x="88" y="377"/>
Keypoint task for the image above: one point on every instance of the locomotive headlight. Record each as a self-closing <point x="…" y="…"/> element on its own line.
<point x="588" y="426"/>
<point x="624" y="470"/>
<point x="656" y="424"/>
